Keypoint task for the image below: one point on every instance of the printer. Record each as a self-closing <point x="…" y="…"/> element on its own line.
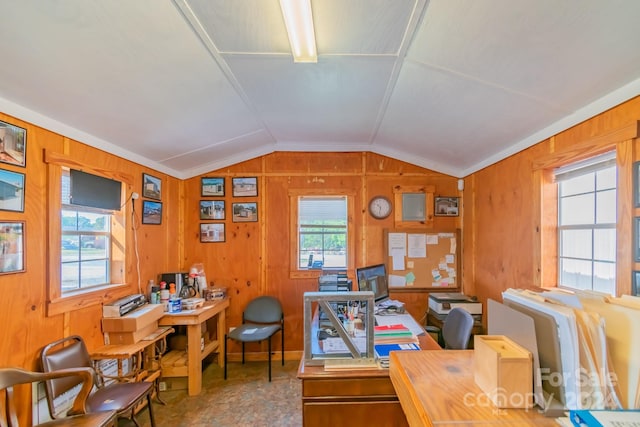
<point x="442" y="303"/>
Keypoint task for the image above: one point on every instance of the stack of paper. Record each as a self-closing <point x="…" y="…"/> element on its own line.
<point x="393" y="334"/>
<point x="382" y="351"/>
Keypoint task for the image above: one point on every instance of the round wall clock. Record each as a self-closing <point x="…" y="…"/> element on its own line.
<point x="380" y="207"/>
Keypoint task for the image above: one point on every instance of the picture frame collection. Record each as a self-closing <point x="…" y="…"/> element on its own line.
<point x="13" y="154"/>
<point x="152" y="202"/>
<point x="213" y="208"/>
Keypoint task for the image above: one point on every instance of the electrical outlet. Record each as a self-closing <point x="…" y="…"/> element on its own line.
<point x="162" y="386"/>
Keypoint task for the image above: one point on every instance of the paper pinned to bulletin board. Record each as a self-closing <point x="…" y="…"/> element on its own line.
<point x="422" y="259"/>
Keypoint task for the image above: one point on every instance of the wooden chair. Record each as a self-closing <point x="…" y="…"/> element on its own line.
<point x="261" y="319"/>
<point x="78" y="416"/>
<point x="122" y="397"/>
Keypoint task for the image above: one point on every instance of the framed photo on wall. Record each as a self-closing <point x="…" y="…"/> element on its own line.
<point x="636" y="184"/>
<point x="211" y="187"/>
<point x="636" y="238"/>
<point x="151" y="212"/>
<point x="212" y="209"/>
<point x="151" y="187"/>
<point x="12" y="191"/>
<point x="245" y="187"/>
<point x="635" y="283"/>
<point x="212" y="232"/>
<point x="12" y="247"/>
<point x="245" y="212"/>
<point x="13" y="144"/>
<point x="446" y="206"/>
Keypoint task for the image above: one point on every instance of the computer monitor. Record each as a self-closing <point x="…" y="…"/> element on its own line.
<point x="374" y="278"/>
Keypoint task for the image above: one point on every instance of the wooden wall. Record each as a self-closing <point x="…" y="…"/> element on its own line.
<point x="506" y="244"/>
<point x="254" y="259"/>
<point x="25" y="325"/>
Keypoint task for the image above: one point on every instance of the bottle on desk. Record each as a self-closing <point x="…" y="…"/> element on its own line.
<point x="164" y="296"/>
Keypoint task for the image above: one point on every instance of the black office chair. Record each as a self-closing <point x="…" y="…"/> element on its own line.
<point x="261" y="319"/>
<point x="456" y="330"/>
<point x="122" y="397"/>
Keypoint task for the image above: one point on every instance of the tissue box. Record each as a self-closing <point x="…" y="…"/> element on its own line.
<point x="503" y="370"/>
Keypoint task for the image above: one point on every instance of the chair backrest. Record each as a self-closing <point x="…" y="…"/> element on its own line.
<point x="64" y="353"/>
<point x="263" y="309"/>
<point x="456" y="330"/>
<point x="10" y="377"/>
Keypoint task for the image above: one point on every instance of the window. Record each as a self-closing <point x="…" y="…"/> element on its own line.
<point x="587" y="224"/>
<point x="322" y="232"/>
<point x="85" y="244"/>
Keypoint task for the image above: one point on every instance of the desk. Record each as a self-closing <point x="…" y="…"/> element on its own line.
<point x="436" y="388"/>
<point x="189" y="364"/>
<point x="145" y="359"/>
<point x="355" y="398"/>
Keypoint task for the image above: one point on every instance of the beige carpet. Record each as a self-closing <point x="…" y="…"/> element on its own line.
<point x="246" y="398"/>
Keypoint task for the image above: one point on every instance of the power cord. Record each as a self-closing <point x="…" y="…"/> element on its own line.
<point x="134" y="227"/>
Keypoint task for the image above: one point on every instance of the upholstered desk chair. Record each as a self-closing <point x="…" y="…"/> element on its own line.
<point x="261" y="319"/>
<point x="456" y="330"/>
<point x="122" y="397"/>
<point x="78" y="416"/>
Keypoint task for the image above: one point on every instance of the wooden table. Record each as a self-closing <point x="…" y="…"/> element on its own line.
<point x="189" y="364"/>
<point x="144" y="357"/>
<point x="436" y="388"/>
<point x="355" y="398"/>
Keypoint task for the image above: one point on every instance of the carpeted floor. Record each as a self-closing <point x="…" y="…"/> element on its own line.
<point x="246" y="398"/>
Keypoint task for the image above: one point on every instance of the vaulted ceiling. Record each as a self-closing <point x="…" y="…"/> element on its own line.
<point x="189" y="86"/>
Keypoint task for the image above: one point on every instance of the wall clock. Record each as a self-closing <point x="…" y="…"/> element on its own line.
<point x="380" y="207"/>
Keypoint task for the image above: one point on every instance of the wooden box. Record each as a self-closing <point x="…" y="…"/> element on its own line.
<point x="503" y="370"/>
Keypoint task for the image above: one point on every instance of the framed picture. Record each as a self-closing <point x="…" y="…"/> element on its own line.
<point x="635" y="283"/>
<point x="13" y="144"/>
<point x="636" y="238"/>
<point x="212" y="187"/>
<point x="245" y="212"/>
<point x="636" y="184"/>
<point x="211" y="209"/>
<point x="11" y="247"/>
<point x="245" y="187"/>
<point x="212" y="232"/>
<point x="446" y="206"/>
<point x="151" y="187"/>
<point x="151" y="212"/>
<point x="11" y="191"/>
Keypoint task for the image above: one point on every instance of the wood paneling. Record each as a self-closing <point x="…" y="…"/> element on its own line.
<point x="507" y="240"/>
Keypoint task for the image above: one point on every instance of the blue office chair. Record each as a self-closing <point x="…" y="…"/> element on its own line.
<point x="456" y="330"/>
<point x="261" y="319"/>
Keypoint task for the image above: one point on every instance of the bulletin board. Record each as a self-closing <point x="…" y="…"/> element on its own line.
<point x="419" y="259"/>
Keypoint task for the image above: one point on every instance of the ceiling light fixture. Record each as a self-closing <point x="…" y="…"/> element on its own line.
<point x="299" y="23"/>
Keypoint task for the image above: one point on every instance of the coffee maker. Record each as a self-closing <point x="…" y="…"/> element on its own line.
<point x="180" y="279"/>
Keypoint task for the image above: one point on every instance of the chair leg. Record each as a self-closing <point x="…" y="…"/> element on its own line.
<point x="282" y="346"/>
<point x="151" y="419"/>
<point x="269" y="359"/>
<point x="243" y="352"/>
<point x="225" y="356"/>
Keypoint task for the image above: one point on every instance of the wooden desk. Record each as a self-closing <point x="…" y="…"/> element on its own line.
<point x="436" y="388"/>
<point x="189" y="364"/>
<point x="355" y="398"/>
<point x="143" y="356"/>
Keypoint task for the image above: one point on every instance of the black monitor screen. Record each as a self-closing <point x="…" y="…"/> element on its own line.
<point x="373" y="278"/>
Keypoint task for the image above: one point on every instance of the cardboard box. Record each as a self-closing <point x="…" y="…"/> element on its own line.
<point x="503" y="370"/>
<point x="130" y="337"/>
<point x="134" y="321"/>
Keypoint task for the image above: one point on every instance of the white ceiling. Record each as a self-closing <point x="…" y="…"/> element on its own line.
<point x="189" y="86"/>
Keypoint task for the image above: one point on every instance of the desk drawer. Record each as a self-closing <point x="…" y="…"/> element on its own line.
<point x="353" y="414"/>
<point x="348" y="387"/>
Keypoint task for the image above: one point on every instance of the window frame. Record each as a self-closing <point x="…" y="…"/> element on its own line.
<point x="591" y="227"/>
<point x="57" y="303"/>
<point x="294" y="238"/>
<point x="545" y="256"/>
